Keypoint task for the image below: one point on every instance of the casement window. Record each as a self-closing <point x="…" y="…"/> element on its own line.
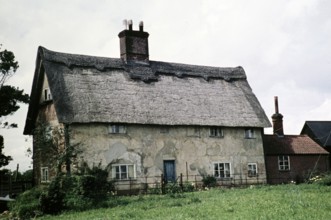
<point x="193" y="132"/>
<point x="44" y="175"/>
<point x="249" y="133"/>
<point x="283" y="163"/>
<point x="222" y="170"/>
<point x="252" y="169"/>
<point x="47" y="94"/>
<point x="216" y="132"/>
<point x="123" y="171"/>
<point x="117" y="129"/>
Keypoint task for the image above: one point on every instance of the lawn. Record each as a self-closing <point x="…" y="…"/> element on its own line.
<point x="256" y="202"/>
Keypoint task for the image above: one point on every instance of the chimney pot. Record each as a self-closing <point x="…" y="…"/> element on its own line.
<point x="130" y="25"/>
<point x="276" y="105"/>
<point x="277" y="120"/>
<point x="141" y="26"/>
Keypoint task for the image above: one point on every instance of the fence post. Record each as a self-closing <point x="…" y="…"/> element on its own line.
<point x="10" y="185"/>
<point x="146" y="185"/>
<point x="181" y="181"/>
<point x="162" y="184"/>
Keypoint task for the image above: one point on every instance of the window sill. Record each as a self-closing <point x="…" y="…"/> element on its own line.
<point x="219" y="137"/>
<point x="253" y="176"/>
<point x="223" y="178"/>
<point x="125" y="180"/>
<point x="46" y="102"/>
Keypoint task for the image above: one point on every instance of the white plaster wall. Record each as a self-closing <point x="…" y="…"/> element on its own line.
<point x="147" y="148"/>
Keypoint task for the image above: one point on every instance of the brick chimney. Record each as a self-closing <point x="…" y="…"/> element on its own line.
<point x="134" y="44"/>
<point x="277" y="120"/>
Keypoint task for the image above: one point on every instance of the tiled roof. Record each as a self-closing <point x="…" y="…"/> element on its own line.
<point x="291" y="144"/>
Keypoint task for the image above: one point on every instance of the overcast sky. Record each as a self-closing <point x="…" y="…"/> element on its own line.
<point x="283" y="45"/>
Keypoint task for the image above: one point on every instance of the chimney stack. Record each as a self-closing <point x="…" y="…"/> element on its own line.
<point x="134" y="44"/>
<point x="277" y="120"/>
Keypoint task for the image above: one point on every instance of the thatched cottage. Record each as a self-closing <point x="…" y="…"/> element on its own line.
<point x="141" y="119"/>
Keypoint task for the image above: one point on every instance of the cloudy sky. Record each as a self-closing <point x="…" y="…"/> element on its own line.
<point x="284" y="46"/>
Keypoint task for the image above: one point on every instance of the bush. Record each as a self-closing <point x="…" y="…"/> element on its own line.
<point x="27" y="204"/>
<point x="321" y="179"/>
<point x="76" y="192"/>
<point x="188" y="187"/>
<point x="209" y="181"/>
<point x="52" y="201"/>
<point x="88" y="190"/>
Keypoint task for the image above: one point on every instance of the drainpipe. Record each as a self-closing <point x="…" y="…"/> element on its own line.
<point x="67" y="149"/>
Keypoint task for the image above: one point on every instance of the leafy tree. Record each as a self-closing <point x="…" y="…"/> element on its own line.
<point x="9" y="95"/>
<point x="4" y="160"/>
<point x="8" y="65"/>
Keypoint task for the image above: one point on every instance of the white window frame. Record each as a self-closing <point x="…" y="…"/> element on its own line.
<point x="224" y="173"/>
<point x="47" y="94"/>
<point x="119" y="174"/>
<point x="249" y="133"/>
<point x="216" y="132"/>
<point x="252" y="169"/>
<point x="44" y="175"/>
<point x="284" y="163"/>
<point x="117" y="129"/>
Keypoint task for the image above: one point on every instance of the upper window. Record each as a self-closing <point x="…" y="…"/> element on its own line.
<point x="123" y="171"/>
<point x="47" y="94"/>
<point x="44" y="175"/>
<point x="193" y="132"/>
<point x="117" y="129"/>
<point x="216" y="132"/>
<point x="222" y="170"/>
<point x="283" y="163"/>
<point x="249" y="133"/>
<point x="252" y="169"/>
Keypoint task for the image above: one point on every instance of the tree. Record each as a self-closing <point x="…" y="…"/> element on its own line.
<point x="4" y="160"/>
<point x="8" y="65"/>
<point x="9" y="96"/>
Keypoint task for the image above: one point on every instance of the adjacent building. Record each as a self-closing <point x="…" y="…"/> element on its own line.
<point x="320" y="132"/>
<point x="292" y="158"/>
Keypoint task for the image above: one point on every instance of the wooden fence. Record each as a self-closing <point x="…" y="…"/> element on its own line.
<point x="8" y="187"/>
<point x="157" y="184"/>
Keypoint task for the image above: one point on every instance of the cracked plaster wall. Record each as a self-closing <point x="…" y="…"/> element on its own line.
<point x="147" y="147"/>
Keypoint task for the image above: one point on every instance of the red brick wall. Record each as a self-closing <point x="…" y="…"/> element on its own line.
<point x="301" y="167"/>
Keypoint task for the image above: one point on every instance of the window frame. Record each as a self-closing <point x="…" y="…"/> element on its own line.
<point x="252" y="172"/>
<point x="117" y="129"/>
<point x="225" y="171"/>
<point x="117" y="175"/>
<point x="47" y="94"/>
<point x="249" y="133"/>
<point x="216" y="132"/>
<point x="284" y="164"/>
<point x="44" y="175"/>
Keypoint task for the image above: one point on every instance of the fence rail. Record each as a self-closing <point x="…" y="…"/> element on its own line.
<point x="158" y="183"/>
<point x="13" y="188"/>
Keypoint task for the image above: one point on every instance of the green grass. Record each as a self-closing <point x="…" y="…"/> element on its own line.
<point x="264" y="202"/>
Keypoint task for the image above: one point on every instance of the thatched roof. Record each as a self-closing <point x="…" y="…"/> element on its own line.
<point x="96" y="89"/>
